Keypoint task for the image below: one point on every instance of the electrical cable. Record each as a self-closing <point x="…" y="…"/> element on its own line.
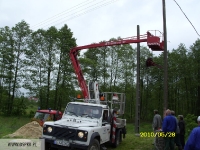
<point x="187" y="17"/>
<point x="99" y="6"/>
<point x="60" y="14"/>
<point x="77" y="15"/>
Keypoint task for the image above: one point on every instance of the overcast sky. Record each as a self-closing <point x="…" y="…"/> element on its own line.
<point x="97" y="20"/>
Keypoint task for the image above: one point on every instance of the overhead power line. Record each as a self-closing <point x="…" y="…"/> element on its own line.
<point x="74" y="13"/>
<point x="87" y="11"/>
<point x="187" y="17"/>
<point x="63" y="13"/>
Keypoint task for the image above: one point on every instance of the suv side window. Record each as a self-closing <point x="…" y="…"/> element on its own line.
<point x="105" y="116"/>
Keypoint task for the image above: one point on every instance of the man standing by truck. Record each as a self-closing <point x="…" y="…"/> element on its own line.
<point x="169" y="128"/>
<point x="157" y="122"/>
<point x="177" y="134"/>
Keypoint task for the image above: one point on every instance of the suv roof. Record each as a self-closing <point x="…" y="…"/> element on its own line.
<point x="49" y="111"/>
<point x="91" y="104"/>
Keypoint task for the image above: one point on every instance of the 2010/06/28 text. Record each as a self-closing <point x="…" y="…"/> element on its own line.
<point x="158" y="134"/>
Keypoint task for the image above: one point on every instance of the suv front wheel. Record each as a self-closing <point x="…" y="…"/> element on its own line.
<point x="94" y="145"/>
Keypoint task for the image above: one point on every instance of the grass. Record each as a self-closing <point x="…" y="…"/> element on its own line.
<point x="9" y="125"/>
<point x="133" y="142"/>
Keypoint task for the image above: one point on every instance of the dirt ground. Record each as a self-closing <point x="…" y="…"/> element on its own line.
<point x="29" y="130"/>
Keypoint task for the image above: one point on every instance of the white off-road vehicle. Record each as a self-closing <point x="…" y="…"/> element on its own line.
<point x="87" y="125"/>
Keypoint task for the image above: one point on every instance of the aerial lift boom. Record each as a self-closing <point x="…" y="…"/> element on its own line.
<point x="153" y="42"/>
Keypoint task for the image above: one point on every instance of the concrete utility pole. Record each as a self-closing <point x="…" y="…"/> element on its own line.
<point x="137" y="105"/>
<point x="165" y="104"/>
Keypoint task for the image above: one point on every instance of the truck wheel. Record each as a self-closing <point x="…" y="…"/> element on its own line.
<point x="120" y="137"/>
<point x="94" y="145"/>
<point x="117" y="139"/>
<point x="47" y="146"/>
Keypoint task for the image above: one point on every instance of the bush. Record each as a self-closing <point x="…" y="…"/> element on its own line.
<point x="31" y="114"/>
<point x="19" y="108"/>
<point x="190" y="121"/>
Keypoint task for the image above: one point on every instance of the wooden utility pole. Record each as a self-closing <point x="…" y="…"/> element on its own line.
<point x="165" y="104"/>
<point x="137" y="105"/>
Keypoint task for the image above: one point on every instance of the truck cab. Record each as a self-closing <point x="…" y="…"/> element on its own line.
<point x="84" y="125"/>
<point x="81" y="123"/>
<point x="43" y="115"/>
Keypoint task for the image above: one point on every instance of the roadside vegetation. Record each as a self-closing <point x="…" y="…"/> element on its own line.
<point x="131" y="142"/>
<point x="38" y="62"/>
<point x="9" y="124"/>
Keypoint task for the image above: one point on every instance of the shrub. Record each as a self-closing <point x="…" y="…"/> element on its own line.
<point x="19" y="108"/>
<point x="190" y="121"/>
<point x="31" y="114"/>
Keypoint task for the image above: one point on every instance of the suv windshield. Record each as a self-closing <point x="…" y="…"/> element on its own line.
<point x="83" y="110"/>
<point x="41" y="116"/>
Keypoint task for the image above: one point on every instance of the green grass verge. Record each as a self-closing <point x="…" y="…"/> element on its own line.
<point x="9" y="125"/>
<point x="131" y="142"/>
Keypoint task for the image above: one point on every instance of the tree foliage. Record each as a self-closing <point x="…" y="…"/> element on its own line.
<point x="39" y="62"/>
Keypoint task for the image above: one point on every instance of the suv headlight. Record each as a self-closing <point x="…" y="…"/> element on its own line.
<point x="80" y="134"/>
<point x="49" y="129"/>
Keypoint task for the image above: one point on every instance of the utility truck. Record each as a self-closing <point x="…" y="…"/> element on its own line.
<point x="96" y="119"/>
<point x="43" y="115"/>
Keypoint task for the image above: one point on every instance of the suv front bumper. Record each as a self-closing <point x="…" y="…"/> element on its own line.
<point x="50" y="143"/>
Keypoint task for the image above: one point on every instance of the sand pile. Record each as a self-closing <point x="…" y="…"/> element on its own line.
<point x="29" y="130"/>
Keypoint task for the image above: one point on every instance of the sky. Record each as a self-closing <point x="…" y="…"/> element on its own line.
<point x="92" y="21"/>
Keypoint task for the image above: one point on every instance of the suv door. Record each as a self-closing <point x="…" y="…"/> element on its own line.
<point x="106" y="127"/>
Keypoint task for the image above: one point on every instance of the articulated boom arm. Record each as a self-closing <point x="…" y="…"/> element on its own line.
<point x="152" y="41"/>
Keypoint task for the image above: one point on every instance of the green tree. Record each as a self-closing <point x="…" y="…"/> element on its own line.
<point x="4" y="43"/>
<point x="21" y="34"/>
<point x="64" y="84"/>
<point x="50" y="58"/>
<point x="7" y="67"/>
<point x="195" y="66"/>
<point x="13" y="46"/>
<point x="35" y="66"/>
